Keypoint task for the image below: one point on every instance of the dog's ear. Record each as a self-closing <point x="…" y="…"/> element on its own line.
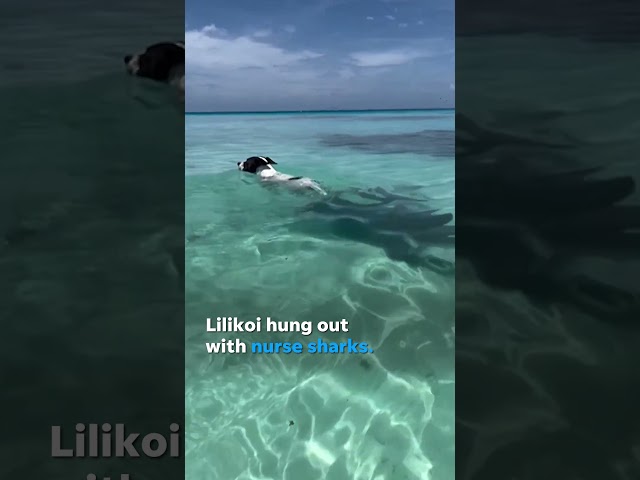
<point x="271" y="162"/>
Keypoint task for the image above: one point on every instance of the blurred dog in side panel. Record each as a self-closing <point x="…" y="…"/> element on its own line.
<point x="162" y="62"/>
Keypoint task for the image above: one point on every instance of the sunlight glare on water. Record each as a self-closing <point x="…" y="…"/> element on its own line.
<point x="377" y="251"/>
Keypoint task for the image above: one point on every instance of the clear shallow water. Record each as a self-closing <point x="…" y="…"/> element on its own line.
<point x="378" y="251"/>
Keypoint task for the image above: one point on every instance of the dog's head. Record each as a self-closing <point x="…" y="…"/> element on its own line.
<point x="158" y="62"/>
<point x="254" y="164"/>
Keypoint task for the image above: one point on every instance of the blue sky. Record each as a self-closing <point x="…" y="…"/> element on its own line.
<point x="266" y="55"/>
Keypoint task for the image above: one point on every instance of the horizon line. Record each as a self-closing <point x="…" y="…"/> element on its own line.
<point x="204" y="112"/>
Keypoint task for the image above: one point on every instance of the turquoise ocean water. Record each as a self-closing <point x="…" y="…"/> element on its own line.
<point x="378" y="250"/>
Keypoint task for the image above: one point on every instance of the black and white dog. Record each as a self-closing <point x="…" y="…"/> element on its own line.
<point x="263" y="167"/>
<point x="162" y="62"/>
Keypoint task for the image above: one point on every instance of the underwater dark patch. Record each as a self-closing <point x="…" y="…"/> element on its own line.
<point x="436" y="143"/>
<point x="399" y="225"/>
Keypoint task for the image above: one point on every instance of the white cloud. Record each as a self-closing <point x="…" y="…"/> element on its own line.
<point x="251" y="71"/>
<point x="211" y="49"/>
<point x="290" y="28"/>
<point x="420" y="22"/>
<point x="452" y="86"/>
<point x="211" y="29"/>
<point x="403" y="25"/>
<point x="369" y="18"/>
<point x="387" y="58"/>
<point x="389" y="17"/>
<point x="224" y="69"/>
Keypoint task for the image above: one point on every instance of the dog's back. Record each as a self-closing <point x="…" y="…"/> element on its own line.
<point x="263" y="168"/>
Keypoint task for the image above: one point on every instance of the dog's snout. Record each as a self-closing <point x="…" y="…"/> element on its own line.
<point x="127" y="58"/>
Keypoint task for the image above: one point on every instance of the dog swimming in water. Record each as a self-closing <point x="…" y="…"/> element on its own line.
<point x="162" y="62"/>
<point x="263" y="168"/>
